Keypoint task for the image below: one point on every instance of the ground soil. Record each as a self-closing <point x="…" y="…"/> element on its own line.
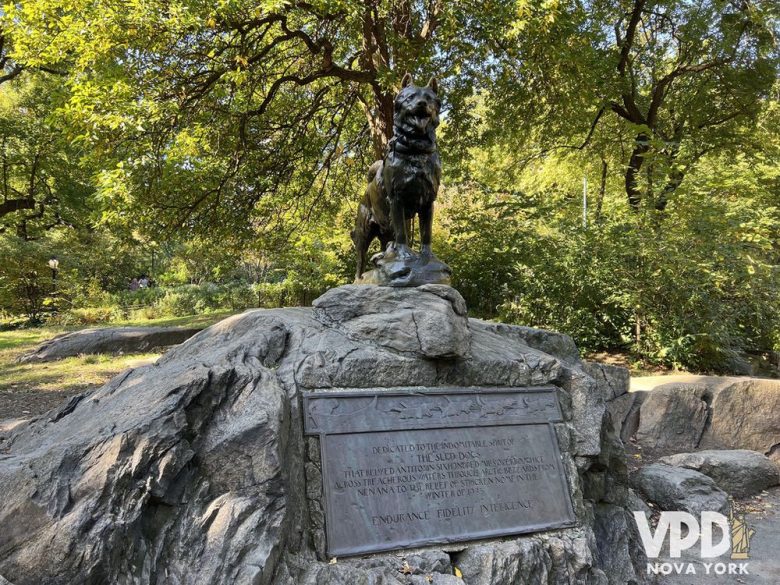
<point x="27" y="404"/>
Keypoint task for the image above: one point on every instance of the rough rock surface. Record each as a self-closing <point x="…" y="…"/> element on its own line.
<point x="404" y="568"/>
<point x="637" y="504"/>
<point x="622" y="406"/>
<point x="172" y="469"/>
<point x="677" y="488"/>
<point x="738" y="472"/>
<point x="616" y="379"/>
<point x="558" y="345"/>
<point x="624" y="413"/>
<point x="745" y="415"/>
<point x="194" y="469"/>
<point x="672" y="419"/>
<point x="537" y="559"/>
<point x="108" y="340"/>
<point x="617" y="537"/>
<point x="429" y="320"/>
<point x="708" y="412"/>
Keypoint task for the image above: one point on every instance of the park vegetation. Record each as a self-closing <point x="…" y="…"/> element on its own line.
<point x="220" y="148"/>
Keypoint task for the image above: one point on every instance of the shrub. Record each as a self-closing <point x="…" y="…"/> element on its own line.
<point x="88" y="315"/>
<point x="239" y="296"/>
<point x="696" y="288"/>
<point x="146" y="313"/>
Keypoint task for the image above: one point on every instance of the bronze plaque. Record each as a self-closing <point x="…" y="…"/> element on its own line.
<point x="410" y="467"/>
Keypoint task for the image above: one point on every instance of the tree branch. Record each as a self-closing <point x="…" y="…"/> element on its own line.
<point x="628" y="40"/>
<point x="432" y="22"/>
<point x="12" y="205"/>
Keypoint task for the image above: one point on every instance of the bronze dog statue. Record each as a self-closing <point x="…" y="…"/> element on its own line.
<point x="400" y="186"/>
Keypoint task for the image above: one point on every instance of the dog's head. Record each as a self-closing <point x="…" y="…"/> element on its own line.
<point x="417" y="108"/>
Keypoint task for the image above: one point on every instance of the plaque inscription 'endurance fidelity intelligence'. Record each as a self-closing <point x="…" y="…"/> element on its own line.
<point x="414" y="467"/>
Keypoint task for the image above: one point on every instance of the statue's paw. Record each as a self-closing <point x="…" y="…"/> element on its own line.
<point x="405" y="254"/>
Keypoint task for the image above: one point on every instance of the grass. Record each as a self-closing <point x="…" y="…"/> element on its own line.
<point x="69" y="374"/>
<point x="190" y="321"/>
<point x="75" y="373"/>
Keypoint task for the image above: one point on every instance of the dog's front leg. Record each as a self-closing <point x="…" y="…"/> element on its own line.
<point x="426" y="227"/>
<point x="399" y="227"/>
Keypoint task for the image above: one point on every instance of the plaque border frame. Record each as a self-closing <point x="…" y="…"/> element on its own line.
<point x="569" y="522"/>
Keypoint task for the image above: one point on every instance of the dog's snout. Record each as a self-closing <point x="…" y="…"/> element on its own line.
<point x="422" y="106"/>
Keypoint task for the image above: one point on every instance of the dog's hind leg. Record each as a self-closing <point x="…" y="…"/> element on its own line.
<point x="361" y="237"/>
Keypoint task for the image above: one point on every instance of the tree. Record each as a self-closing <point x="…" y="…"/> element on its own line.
<point x="25" y="280"/>
<point x="41" y="178"/>
<point x="680" y="79"/>
<point x="11" y="67"/>
<point x="225" y="117"/>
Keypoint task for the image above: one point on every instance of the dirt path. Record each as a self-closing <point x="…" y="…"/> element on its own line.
<point x="640" y="383"/>
<point x="28" y="404"/>
<point x="35" y="392"/>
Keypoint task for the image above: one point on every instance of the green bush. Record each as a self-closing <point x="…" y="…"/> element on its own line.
<point x="239" y="296"/>
<point x="88" y="316"/>
<point x="142" y="297"/>
<point x="695" y="288"/>
<point x="145" y="313"/>
<point x="177" y="303"/>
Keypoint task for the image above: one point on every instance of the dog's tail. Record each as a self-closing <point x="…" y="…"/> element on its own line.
<point x="373" y="170"/>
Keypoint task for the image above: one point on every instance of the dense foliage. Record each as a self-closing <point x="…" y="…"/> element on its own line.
<point x="220" y="148"/>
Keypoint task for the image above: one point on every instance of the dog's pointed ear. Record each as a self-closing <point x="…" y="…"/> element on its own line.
<point x="434" y="85"/>
<point x="407" y="80"/>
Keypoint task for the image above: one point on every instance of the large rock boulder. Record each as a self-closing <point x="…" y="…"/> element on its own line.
<point x="622" y="406"/>
<point x="672" y="419"/>
<point x="624" y="413"/>
<point x="555" y="344"/>
<point x="679" y="489"/>
<point x="739" y="473"/>
<point x="195" y="469"/>
<point x="615" y="379"/>
<point x="175" y="468"/>
<point x="429" y="320"/>
<point x="108" y="340"/>
<point x="745" y="415"/>
<point x="706" y="412"/>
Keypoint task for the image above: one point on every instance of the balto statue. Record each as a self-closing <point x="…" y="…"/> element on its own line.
<point x="400" y="186"/>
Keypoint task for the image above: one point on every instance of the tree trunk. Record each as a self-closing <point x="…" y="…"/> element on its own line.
<point x="641" y="146"/>
<point x="637" y="328"/>
<point x="675" y="179"/>
<point x="676" y="174"/>
<point x="381" y="122"/>
<point x="13" y="205"/>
